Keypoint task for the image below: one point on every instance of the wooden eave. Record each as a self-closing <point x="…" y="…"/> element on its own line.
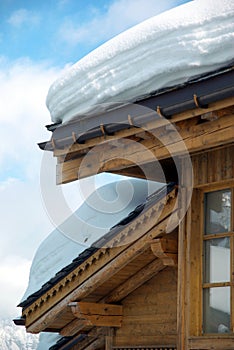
<point x="119" y="141"/>
<point x="107" y="276"/>
<point x="118" y="154"/>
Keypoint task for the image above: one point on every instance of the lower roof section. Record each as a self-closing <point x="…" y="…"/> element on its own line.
<point x="109" y="274"/>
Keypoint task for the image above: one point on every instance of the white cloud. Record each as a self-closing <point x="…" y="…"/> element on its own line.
<point x="24" y="219"/>
<point x="23" y="89"/>
<point x="24" y="222"/>
<point x="14" y="272"/>
<point x="22" y="16"/>
<point x="120" y="15"/>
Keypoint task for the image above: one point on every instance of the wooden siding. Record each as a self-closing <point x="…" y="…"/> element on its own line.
<point x="214" y="167"/>
<point x="213" y="170"/>
<point x="149" y="313"/>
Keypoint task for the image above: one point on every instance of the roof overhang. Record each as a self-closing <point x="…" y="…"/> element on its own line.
<point x="118" y="141"/>
<point x="129" y="256"/>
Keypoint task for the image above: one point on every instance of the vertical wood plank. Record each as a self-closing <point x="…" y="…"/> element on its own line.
<point x="181" y="288"/>
<point x="109" y="338"/>
<point x="232" y="261"/>
<point x="213" y="167"/>
<point x="182" y="295"/>
<point x="195" y="270"/>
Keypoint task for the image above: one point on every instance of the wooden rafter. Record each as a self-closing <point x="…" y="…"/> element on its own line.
<point x="135" y="281"/>
<point x="75" y="327"/>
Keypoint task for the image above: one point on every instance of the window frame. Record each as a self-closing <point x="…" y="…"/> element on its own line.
<point x="208" y="237"/>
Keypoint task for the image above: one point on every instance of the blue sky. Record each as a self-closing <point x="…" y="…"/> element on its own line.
<point x="37" y="40"/>
<point x="61" y="31"/>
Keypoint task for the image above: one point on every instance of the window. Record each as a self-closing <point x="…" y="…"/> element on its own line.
<point x="218" y="270"/>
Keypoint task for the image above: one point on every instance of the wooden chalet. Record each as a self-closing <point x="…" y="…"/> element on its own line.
<point x="163" y="278"/>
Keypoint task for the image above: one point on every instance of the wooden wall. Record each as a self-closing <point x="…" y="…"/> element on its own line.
<point x="149" y="313"/>
<point x="213" y="170"/>
<point x="214" y="167"/>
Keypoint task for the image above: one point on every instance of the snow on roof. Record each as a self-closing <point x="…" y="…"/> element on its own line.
<point x="103" y="209"/>
<point x="164" y="51"/>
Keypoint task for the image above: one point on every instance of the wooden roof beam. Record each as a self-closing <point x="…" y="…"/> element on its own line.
<point x="98" y="314"/>
<point x="166" y="249"/>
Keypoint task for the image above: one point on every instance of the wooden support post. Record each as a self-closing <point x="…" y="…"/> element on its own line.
<point x="183" y="269"/>
<point x="181" y="293"/>
<point x="109" y="338"/>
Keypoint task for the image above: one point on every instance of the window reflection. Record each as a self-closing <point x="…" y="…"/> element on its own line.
<point x="216" y="310"/>
<point x="217" y="212"/>
<point x="217" y="260"/>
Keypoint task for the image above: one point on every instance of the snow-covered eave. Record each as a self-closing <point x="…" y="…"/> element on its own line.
<point x="197" y="92"/>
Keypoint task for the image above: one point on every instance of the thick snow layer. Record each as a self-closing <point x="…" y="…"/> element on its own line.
<point x="104" y="208"/>
<point x="166" y="50"/>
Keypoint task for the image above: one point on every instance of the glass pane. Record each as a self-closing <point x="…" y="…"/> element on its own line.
<point x="217" y="260"/>
<point x="216" y="317"/>
<point x="217" y="212"/>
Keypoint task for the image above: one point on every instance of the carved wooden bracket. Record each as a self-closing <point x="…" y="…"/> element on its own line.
<point x="96" y="314"/>
<point x="166" y="248"/>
